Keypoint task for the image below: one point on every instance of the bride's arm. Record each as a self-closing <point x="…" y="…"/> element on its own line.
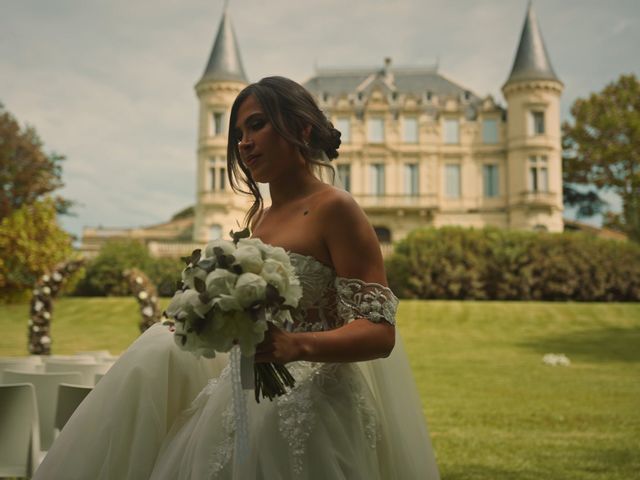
<point x="355" y="253"/>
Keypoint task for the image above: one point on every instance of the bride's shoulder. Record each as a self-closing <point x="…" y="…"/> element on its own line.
<point x="350" y="238"/>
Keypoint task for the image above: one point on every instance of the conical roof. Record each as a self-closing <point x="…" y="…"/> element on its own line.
<point x="225" y="62"/>
<point x="532" y="60"/>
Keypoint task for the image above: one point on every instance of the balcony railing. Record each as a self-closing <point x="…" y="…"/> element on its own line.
<point x="540" y="198"/>
<point x="397" y="201"/>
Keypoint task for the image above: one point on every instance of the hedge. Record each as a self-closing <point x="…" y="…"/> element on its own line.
<point x="497" y="264"/>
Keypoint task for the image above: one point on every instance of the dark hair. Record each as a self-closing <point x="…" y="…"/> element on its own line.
<point x="290" y="108"/>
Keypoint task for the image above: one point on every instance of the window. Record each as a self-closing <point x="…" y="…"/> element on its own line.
<point x="215" y="232"/>
<point x="377" y="178"/>
<point x="410" y="131"/>
<point x="490" y="177"/>
<point x="490" y="130"/>
<point x="223" y="178"/>
<point x="538" y="174"/>
<point x="375" y="132"/>
<point x="344" y="125"/>
<point x="344" y="174"/>
<point x="452" y="181"/>
<point x="217" y="123"/>
<point x="536" y="123"/>
<point x="451" y="131"/>
<point x="411" y="178"/>
<point x="212" y="182"/>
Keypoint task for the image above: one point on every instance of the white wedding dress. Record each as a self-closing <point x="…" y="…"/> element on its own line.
<point x="161" y="413"/>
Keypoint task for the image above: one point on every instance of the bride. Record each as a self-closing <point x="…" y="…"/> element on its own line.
<point x="354" y="413"/>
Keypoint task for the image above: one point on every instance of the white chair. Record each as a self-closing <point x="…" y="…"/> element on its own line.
<point x="68" y="358"/>
<point x="69" y="397"/>
<point x="19" y="435"/>
<point x="46" y="386"/>
<point x="95" y="354"/>
<point x="86" y="370"/>
<point x="98" y="377"/>
<point x="34" y="359"/>
<point x="20" y="365"/>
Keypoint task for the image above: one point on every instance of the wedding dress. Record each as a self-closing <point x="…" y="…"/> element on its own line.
<point x="161" y="413"/>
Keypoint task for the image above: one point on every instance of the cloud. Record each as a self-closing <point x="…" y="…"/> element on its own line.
<point x="110" y="84"/>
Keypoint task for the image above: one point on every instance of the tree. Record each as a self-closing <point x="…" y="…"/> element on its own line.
<point x="602" y="152"/>
<point x="31" y="244"/>
<point x="26" y="172"/>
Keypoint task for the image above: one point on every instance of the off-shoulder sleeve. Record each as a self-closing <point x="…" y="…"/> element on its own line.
<point x="359" y="299"/>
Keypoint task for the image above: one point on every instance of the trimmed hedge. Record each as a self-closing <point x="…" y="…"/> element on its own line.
<point x="104" y="274"/>
<point x="496" y="264"/>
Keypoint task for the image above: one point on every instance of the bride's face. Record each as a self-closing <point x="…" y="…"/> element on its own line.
<point x="262" y="149"/>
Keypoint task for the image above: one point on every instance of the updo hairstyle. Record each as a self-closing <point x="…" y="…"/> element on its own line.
<point x="290" y="108"/>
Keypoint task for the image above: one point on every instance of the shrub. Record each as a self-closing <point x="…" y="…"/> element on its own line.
<point x="498" y="264"/>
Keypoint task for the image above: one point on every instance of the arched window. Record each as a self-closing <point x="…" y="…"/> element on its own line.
<point x="215" y="232"/>
<point x="540" y="228"/>
<point x="383" y="233"/>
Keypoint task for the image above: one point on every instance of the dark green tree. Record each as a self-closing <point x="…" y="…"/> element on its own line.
<point x="602" y="153"/>
<point x="27" y="173"/>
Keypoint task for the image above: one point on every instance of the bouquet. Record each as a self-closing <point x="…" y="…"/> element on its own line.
<point x="226" y="297"/>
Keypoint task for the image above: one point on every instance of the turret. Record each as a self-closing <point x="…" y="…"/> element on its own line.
<point x="534" y="147"/>
<point x="217" y="207"/>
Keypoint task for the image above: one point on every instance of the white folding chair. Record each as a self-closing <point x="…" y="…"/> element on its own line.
<point x="46" y="386"/>
<point x="69" y="397"/>
<point x="68" y="358"/>
<point x="19" y="364"/>
<point x="95" y="354"/>
<point x="19" y="435"/>
<point x="87" y="370"/>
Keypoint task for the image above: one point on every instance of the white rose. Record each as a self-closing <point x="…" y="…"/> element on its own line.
<point x="189" y="275"/>
<point x="220" y="281"/>
<point x="143" y="295"/>
<point x="278" y="254"/>
<point x="276" y="274"/>
<point x="249" y="258"/>
<point x="282" y="277"/>
<point x="227" y="303"/>
<point x="252" y="242"/>
<point x="249" y="289"/>
<point x="185" y="304"/>
<point x="227" y="247"/>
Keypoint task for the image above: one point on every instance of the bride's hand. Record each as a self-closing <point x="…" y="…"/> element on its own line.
<point x="278" y="346"/>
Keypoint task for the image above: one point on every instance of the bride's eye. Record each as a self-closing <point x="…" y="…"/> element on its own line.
<point x="257" y="124"/>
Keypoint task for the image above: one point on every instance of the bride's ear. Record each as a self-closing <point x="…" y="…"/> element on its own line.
<point x="306" y="134"/>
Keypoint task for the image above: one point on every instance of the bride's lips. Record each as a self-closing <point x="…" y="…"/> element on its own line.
<point x="251" y="160"/>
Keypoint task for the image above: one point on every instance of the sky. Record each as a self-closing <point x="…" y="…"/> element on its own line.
<point x="110" y="84"/>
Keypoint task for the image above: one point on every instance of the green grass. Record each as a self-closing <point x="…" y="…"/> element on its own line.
<point x="495" y="411"/>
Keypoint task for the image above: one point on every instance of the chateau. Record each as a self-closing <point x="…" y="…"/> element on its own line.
<point x="417" y="149"/>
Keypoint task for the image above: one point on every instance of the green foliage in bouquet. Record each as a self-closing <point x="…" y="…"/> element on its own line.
<point x="498" y="264"/>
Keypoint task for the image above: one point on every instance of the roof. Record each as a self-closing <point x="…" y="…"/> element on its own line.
<point x="532" y="60"/>
<point x="402" y="80"/>
<point x="225" y="62"/>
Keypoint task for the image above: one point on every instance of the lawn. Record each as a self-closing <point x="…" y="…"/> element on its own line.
<point x="495" y="411"/>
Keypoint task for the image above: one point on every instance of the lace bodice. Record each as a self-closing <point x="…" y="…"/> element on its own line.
<point x="329" y="301"/>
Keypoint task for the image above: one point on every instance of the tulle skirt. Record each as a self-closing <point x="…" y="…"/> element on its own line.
<point x="161" y="413"/>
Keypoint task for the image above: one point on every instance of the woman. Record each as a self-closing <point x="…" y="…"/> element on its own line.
<point x="354" y="412"/>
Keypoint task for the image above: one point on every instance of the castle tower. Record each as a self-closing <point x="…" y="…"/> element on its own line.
<point x="217" y="207"/>
<point x="534" y="158"/>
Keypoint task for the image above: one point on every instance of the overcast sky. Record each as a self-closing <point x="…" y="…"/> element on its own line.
<point x="109" y="84"/>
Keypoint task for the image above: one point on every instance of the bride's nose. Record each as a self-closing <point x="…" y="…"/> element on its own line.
<point x="245" y="145"/>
